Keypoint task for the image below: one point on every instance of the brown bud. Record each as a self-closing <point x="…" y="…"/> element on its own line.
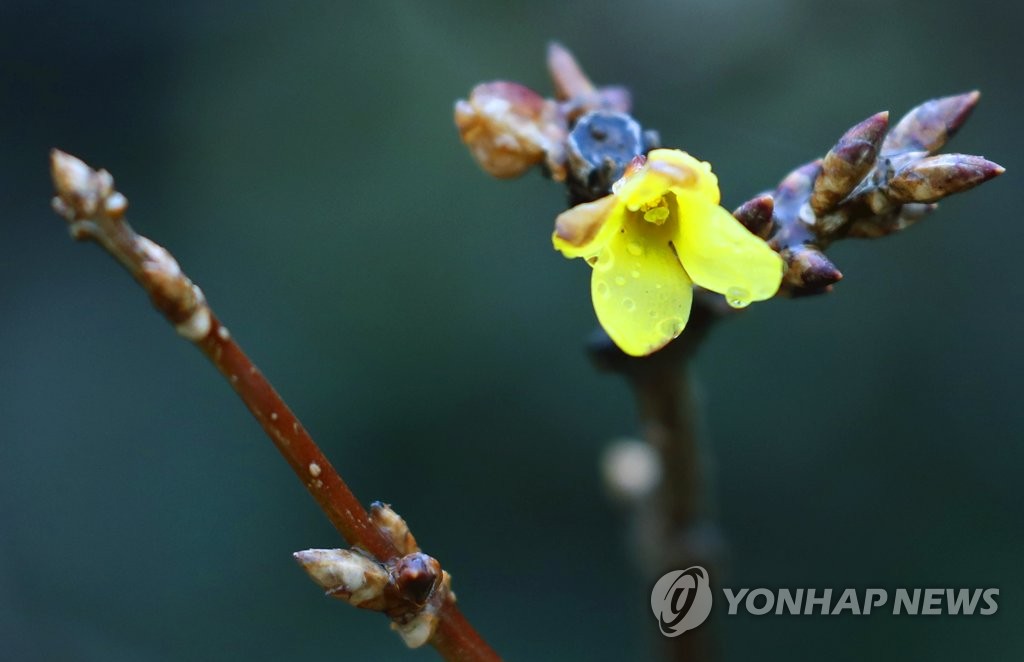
<point x="508" y="127"/>
<point x="172" y="294"/>
<point x="848" y="162"/>
<point x="346" y="575"/>
<point x="928" y="126"/>
<point x="416" y="576"/>
<point x="570" y="81"/>
<point x="80" y="189"/>
<point x="807" y="268"/>
<point x="417" y="626"/>
<point x="933" y="178"/>
<point x="394" y="527"/>
<point x="756" y="215"/>
<point x="574" y="90"/>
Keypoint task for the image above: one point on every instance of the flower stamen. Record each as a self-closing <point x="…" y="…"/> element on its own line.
<point x="655" y="211"/>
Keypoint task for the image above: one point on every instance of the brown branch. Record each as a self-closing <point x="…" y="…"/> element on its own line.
<point x="674" y="528"/>
<point x="411" y="588"/>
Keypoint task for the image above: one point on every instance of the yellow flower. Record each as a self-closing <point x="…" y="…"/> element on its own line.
<point x="660" y="232"/>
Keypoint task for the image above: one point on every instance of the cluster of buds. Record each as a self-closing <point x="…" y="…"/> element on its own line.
<point x="95" y="210"/>
<point x="872" y="183"/>
<point x="410" y="588"/>
<point x="510" y="128"/>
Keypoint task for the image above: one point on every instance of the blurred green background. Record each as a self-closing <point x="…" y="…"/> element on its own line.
<point x="301" y="162"/>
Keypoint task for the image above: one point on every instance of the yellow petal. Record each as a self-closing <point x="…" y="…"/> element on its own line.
<point x="641" y="293"/>
<point x="584" y="229"/>
<point x="664" y="170"/>
<point x="721" y="255"/>
<point x="706" y="182"/>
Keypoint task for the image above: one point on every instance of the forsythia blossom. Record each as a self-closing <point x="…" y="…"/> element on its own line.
<point x="660" y="232"/>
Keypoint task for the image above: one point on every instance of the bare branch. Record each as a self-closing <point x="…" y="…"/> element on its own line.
<point x="394" y="577"/>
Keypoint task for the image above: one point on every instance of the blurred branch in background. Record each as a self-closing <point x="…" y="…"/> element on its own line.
<point x="872" y="183"/>
<point x="385" y="571"/>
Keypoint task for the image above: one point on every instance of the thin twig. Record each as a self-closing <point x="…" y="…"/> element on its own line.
<point x="668" y="417"/>
<point x="87" y="200"/>
<point x="674" y="527"/>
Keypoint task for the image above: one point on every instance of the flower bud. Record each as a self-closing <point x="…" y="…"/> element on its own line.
<point x="928" y="126"/>
<point x="346" y="575"/>
<point x="756" y="215"/>
<point x="392" y="524"/>
<point x="506" y="127"/>
<point x="80" y="189"/>
<point x="933" y="178"/>
<point x="848" y="162"/>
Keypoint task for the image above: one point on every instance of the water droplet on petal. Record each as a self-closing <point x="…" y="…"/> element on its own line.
<point x="605" y="260"/>
<point x="737" y="297"/>
<point x="620" y="280"/>
<point x="671" y="327"/>
<point x="635" y="249"/>
<point x="629" y="304"/>
<point x="601" y="288"/>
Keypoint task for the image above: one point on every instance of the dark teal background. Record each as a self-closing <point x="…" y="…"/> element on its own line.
<point x="300" y="161"/>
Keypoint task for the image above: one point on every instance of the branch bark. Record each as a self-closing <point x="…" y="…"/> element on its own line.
<point x="414" y="591"/>
<point x="674" y="528"/>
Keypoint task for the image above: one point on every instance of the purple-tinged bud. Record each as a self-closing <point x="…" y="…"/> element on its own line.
<point x="756" y="215"/>
<point x="928" y="126"/>
<point x="936" y="177"/>
<point x="848" y="162"/>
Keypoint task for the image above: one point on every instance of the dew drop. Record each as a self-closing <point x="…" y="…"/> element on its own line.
<point x="620" y="280"/>
<point x="605" y="260"/>
<point x="629" y="304"/>
<point x="737" y="297"/>
<point x="635" y="249"/>
<point x="671" y="327"/>
<point x="601" y="288"/>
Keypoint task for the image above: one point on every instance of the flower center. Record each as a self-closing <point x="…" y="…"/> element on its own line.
<point x="655" y="211"/>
